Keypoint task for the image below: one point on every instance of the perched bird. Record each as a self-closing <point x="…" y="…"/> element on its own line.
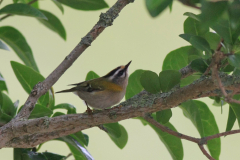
<point x="103" y="92"/>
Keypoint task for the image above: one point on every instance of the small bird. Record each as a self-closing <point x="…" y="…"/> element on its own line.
<point x="103" y="92"/>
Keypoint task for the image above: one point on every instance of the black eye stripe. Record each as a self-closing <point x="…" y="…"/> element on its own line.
<point x="120" y="73"/>
<point x="112" y="72"/>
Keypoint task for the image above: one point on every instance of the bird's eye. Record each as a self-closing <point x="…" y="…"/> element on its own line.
<point x="120" y="73"/>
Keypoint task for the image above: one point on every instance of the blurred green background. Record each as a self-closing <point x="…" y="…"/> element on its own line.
<point x="134" y="36"/>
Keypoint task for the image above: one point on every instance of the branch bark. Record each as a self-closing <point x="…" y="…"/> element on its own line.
<point x="39" y="130"/>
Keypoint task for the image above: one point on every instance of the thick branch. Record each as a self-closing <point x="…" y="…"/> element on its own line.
<point x="136" y="106"/>
<point x="106" y="19"/>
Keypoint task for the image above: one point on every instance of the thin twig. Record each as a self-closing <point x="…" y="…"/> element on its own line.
<point x="199" y="141"/>
<point x="216" y="76"/>
<point x="216" y="58"/>
<point x="70" y="154"/>
<point x="222" y="134"/>
<point x="220" y="45"/>
<point x="1" y="2"/>
<point x="188" y="4"/>
<point x="8" y="15"/>
<point x="102" y="128"/>
<point x="205" y="152"/>
<point x="168" y="130"/>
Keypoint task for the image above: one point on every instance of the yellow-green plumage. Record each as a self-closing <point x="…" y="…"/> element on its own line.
<point x="103" y="92"/>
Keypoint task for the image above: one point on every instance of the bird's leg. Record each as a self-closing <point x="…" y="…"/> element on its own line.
<point x="89" y="111"/>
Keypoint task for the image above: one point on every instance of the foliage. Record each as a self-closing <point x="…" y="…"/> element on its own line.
<point x="223" y="20"/>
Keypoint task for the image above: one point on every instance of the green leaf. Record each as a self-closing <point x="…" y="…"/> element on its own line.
<point x="85" y="5"/>
<point x="164" y="116"/>
<point x="35" y="4"/>
<point x="213" y="39"/>
<point x="32" y="156"/>
<point x="194" y="27"/>
<point x="236" y="108"/>
<point x="3" y="86"/>
<point x="23" y="10"/>
<point x="75" y="152"/>
<point x="150" y="82"/>
<point x="91" y="75"/>
<point x="192" y="15"/>
<point x="168" y="79"/>
<point x="134" y="85"/>
<point x="1" y="100"/>
<point x="234" y="13"/>
<point x="193" y="54"/>
<point x="203" y="119"/>
<point x="53" y="23"/>
<point x="8" y="106"/>
<point x="200" y="43"/>
<point x="178" y="58"/>
<point x="122" y="140"/>
<point x="3" y="46"/>
<point x="234" y="60"/>
<point x="155" y="7"/>
<point x="58" y="114"/>
<point x="28" y="78"/>
<point x="236" y="72"/>
<point x="113" y="129"/>
<point x="4" y="118"/>
<point x="229" y="68"/>
<point x="82" y="137"/>
<point x="17" y="42"/>
<point x="172" y="143"/>
<point x="70" y="108"/>
<point x="186" y="37"/>
<point x="199" y="65"/>
<point x="40" y="111"/>
<point x="17" y="153"/>
<point x="197" y="42"/>
<point x="222" y="27"/>
<point x="211" y="11"/>
<point x="231" y="119"/>
<point x="78" y="151"/>
<point x="52" y="156"/>
<point x="188" y="80"/>
<point x="26" y="154"/>
<point x="59" y="5"/>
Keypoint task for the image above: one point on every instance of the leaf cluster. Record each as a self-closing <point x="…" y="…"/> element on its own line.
<point x="204" y="33"/>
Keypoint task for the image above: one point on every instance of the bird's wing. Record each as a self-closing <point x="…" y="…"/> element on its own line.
<point x="90" y="86"/>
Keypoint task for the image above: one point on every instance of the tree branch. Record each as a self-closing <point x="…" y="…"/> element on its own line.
<point x="186" y="71"/>
<point x="43" y="129"/>
<point x="106" y="19"/>
<point x="205" y="152"/>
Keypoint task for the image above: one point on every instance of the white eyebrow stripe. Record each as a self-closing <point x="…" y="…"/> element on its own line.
<point x="114" y="75"/>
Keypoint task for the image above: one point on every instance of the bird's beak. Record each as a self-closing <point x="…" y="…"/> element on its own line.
<point x="127" y="65"/>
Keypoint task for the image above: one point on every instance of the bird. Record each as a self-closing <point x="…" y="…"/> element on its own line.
<point x="103" y="92"/>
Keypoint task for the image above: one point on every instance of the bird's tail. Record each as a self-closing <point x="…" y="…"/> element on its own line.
<point x="67" y="90"/>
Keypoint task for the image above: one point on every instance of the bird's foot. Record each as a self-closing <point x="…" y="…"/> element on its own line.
<point x="89" y="111"/>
